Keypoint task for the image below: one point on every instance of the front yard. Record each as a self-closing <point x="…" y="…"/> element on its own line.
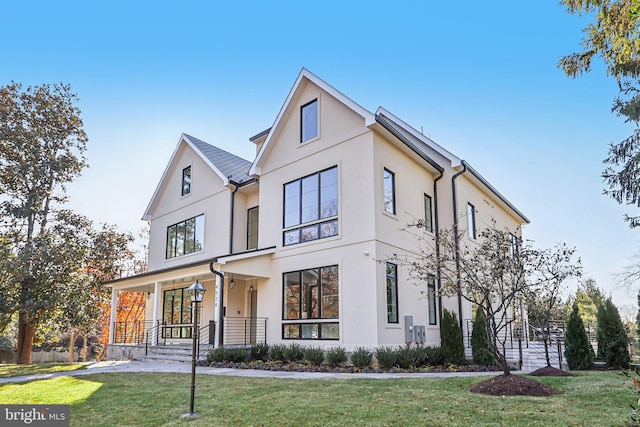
<point x="155" y="399"/>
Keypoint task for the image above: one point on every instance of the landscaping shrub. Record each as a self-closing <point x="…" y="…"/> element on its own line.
<point x="276" y="353"/>
<point x="480" y="350"/>
<point x="408" y="357"/>
<point x="435" y="356"/>
<point x="361" y="357"/>
<point x="293" y="352"/>
<point x="237" y="354"/>
<point x="577" y="348"/>
<point x="612" y="338"/>
<point x="314" y="355"/>
<point x="260" y="351"/>
<point x="387" y="357"/>
<point x="451" y="337"/>
<point x="336" y="356"/>
<point x="217" y="355"/>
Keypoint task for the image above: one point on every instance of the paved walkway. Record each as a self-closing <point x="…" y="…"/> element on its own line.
<point x="138" y="366"/>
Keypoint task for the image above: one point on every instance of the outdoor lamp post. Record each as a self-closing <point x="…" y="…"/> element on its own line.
<point x="196" y="293"/>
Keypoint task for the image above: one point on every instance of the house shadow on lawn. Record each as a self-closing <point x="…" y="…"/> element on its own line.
<point x="517" y="385"/>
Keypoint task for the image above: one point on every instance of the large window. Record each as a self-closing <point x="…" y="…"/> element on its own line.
<point x="185" y="237"/>
<point x="311" y="201"/>
<point x="311" y="304"/>
<point x="471" y="219"/>
<point x="392" y="293"/>
<point x="431" y="298"/>
<point x="176" y="311"/>
<point x="252" y="228"/>
<point x="389" y="192"/>
<point x="186" y="181"/>
<point x="309" y="121"/>
<point x="428" y="213"/>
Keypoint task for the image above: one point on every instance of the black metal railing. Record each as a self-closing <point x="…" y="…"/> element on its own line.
<point x="130" y="332"/>
<point x="245" y="330"/>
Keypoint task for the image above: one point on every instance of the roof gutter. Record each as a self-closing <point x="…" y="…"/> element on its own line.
<point x="456" y="239"/>
<point x="385" y="124"/>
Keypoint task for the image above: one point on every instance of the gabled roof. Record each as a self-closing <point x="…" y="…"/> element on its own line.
<point x="306" y="75"/>
<point x="229" y="167"/>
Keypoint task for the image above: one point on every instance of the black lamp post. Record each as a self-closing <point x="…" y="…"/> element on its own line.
<point x="196" y="293"/>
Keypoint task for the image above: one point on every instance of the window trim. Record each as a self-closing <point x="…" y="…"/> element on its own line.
<point x="392" y="175"/>
<point x="257" y="221"/>
<point x="428" y="219"/>
<point x="319" y="221"/>
<point x="186" y="172"/>
<point x="177" y="226"/>
<point x="471" y="221"/>
<point x="394" y="295"/>
<point x="431" y="301"/>
<point x="317" y="121"/>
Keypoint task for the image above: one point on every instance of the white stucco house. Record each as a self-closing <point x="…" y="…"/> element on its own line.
<point x="288" y="244"/>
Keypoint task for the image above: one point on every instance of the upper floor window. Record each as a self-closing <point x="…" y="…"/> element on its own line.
<point x="252" y="228"/>
<point x="311" y="200"/>
<point x="309" y="121"/>
<point x="389" y="192"/>
<point x="515" y="245"/>
<point x="471" y="219"/>
<point x="392" y="293"/>
<point x="185" y="237"/>
<point x="186" y="181"/>
<point x="428" y="213"/>
<point x="431" y="297"/>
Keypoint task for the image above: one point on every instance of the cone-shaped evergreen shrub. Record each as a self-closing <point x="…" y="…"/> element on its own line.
<point x="482" y="354"/>
<point x="577" y="348"/>
<point x="451" y="338"/>
<point x="612" y="338"/>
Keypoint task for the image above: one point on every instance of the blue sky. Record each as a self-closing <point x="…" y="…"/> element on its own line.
<point x="480" y="78"/>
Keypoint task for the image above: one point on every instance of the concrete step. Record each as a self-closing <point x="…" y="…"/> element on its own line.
<point x="175" y="353"/>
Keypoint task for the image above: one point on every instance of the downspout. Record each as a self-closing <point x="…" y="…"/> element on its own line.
<point x="456" y="240"/>
<point x="233" y="202"/>
<point x="220" y="312"/>
<point x="437" y="232"/>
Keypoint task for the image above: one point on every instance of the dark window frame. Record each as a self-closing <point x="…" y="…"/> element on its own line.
<point x="186" y="181"/>
<point x="391" y="285"/>
<point x="471" y="220"/>
<point x="432" y="308"/>
<point x="249" y="222"/>
<point x="172" y="252"/>
<point x="392" y="202"/>
<point x="302" y="122"/>
<point x="298" y="226"/>
<point x="428" y="213"/>
<point x="179" y="295"/>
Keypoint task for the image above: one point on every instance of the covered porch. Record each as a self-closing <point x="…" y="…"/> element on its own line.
<point x="227" y="316"/>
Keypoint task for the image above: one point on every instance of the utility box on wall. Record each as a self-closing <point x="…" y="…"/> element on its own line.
<point x="420" y="334"/>
<point x="408" y="329"/>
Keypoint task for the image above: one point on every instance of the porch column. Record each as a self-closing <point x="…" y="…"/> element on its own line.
<point x="112" y="319"/>
<point x="219" y="315"/>
<point x="157" y="310"/>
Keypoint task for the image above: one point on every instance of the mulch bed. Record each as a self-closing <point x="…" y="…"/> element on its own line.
<point x="513" y="385"/>
<point x="550" y="371"/>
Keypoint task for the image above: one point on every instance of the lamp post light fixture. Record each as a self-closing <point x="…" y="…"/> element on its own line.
<point x="196" y="293"/>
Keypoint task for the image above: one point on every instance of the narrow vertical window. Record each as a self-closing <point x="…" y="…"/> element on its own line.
<point x="389" y="192"/>
<point x="431" y="297"/>
<point x="428" y="213"/>
<point x="392" y="293"/>
<point x="252" y="228"/>
<point x="186" y="181"/>
<point x="471" y="218"/>
<point x="309" y="121"/>
<point x="515" y="247"/>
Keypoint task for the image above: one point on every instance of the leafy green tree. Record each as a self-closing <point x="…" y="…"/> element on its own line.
<point x="614" y="37"/>
<point x="588" y="297"/>
<point x="578" y="350"/>
<point x="480" y="350"/>
<point x="451" y="338"/>
<point x="42" y="145"/>
<point x="612" y="337"/>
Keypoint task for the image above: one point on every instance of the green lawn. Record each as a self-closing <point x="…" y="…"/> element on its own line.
<point x="13" y="370"/>
<point x="143" y="399"/>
